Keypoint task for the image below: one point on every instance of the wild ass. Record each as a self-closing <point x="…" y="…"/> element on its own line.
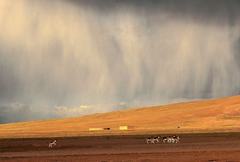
<point x="173" y="139"/>
<point x="153" y="140"/>
<point x="52" y="144"/>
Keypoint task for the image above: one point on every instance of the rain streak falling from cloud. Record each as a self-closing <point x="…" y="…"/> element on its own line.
<point x="58" y="55"/>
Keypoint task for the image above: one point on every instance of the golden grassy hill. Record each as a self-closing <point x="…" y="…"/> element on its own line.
<point x="218" y="115"/>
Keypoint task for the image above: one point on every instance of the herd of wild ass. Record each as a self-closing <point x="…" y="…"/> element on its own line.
<point x="169" y="139"/>
<point x="150" y="140"/>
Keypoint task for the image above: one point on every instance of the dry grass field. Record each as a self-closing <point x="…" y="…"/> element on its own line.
<point x="217" y="115"/>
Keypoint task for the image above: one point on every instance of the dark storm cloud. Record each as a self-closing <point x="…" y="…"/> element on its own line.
<point x="199" y="10"/>
<point x="56" y="57"/>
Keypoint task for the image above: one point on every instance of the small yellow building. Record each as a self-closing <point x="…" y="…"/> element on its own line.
<point x="95" y="129"/>
<point x="123" y="127"/>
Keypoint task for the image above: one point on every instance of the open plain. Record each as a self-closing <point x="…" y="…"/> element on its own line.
<point x="209" y="131"/>
<point x="220" y="147"/>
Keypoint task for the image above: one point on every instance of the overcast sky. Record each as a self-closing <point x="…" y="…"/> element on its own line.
<point x="65" y="58"/>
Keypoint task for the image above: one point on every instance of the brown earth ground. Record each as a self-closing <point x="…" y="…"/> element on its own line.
<point x="216" y="147"/>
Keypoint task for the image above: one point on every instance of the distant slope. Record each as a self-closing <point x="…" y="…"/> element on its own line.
<point x="216" y="115"/>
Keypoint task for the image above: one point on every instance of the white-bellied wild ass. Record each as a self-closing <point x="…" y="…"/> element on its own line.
<point x="173" y="139"/>
<point x="152" y="140"/>
<point x="52" y="144"/>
